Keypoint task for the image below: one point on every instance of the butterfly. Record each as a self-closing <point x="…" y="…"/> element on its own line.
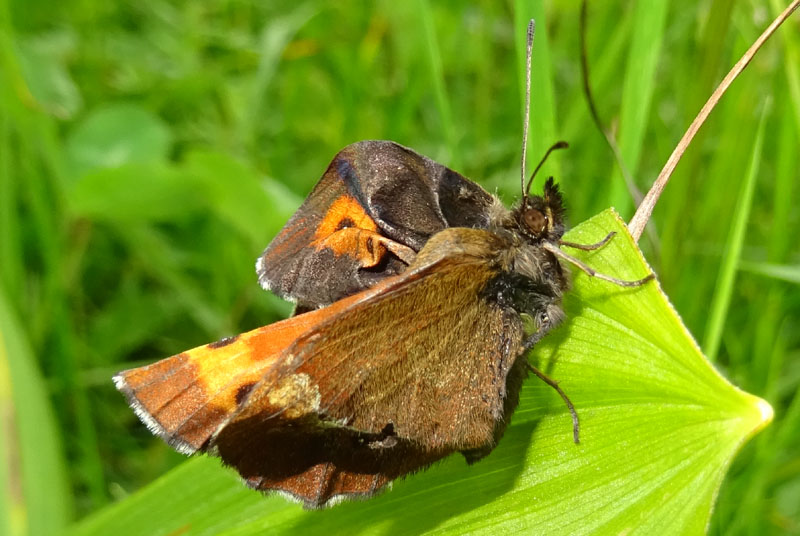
<point x="413" y="286"/>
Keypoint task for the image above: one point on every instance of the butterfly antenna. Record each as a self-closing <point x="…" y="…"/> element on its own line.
<point x="531" y="31"/>
<point x="555" y="146"/>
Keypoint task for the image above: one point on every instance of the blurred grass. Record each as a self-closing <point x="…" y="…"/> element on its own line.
<point x="637" y="94"/>
<point x="36" y="495"/>
<point x="721" y="300"/>
<point x="149" y="151"/>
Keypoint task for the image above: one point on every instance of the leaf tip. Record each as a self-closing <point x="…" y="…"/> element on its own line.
<point x="760" y="415"/>
<point x="766" y="411"/>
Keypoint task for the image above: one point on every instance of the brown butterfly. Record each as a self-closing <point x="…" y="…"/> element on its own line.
<point x="408" y="342"/>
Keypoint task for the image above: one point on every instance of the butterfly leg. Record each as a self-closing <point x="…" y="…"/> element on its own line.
<point x="589" y="247"/>
<point x="552" y="248"/>
<point x="529" y="343"/>
<point x="576" y="427"/>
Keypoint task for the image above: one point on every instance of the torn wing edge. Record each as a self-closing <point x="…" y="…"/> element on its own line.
<point x="148" y="420"/>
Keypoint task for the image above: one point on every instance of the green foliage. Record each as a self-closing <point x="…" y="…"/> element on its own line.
<point x="659" y="429"/>
<point x="34" y="480"/>
<point x="149" y="151"/>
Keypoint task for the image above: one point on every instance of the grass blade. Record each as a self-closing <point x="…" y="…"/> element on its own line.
<point x="637" y="94"/>
<point x="37" y="500"/>
<point x="733" y="250"/>
<point x="543" y="131"/>
<point x="782" y="272"/>
<point x="434" y="58"/>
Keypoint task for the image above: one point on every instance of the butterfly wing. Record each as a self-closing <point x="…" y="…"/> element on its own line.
<point x="418" y="367"/>
<point x="184" y="399"/>
<point x="374" y="208"/>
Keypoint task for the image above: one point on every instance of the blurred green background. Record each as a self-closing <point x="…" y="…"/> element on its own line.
<point x="150" y="150"/>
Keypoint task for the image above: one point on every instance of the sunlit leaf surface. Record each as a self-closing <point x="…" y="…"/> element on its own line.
<point x="659" y="427"/>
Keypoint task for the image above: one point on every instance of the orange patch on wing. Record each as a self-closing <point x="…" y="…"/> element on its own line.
<point x="346" y="229"/>
<point x="364" y="246"/>
<point x="185" y="398"/>
<point x="223" y="368"/>
<point x="344" y="212"/>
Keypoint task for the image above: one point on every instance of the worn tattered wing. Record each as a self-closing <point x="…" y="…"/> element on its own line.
<point x="362" y="398"/>
<point x="374" y="208"/>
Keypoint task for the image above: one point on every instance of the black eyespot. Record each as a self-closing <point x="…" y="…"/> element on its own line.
<point x="535" y="220"/>
<point x="344" y="223"/>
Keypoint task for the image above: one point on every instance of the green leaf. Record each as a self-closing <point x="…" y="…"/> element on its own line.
<point x="666" y="423"/>
<point x="253" y="206"/>
<point x="34" y="494"/>
<point x="44" y="59"/>
<point x="137" y="192"/>
<point x="115" y="135"/>
<point x="659" y="427"/>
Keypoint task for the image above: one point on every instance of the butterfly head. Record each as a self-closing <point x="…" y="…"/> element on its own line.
<point x="541" y="218"/>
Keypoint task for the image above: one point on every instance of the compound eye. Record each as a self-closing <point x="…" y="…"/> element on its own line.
<point x="535" y="220"/>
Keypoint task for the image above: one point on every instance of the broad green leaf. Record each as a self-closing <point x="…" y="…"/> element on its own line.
<point x="212" y="183"/>
<point x="253" y="206"/>
<point x="137" y="192"/>
<point x="659" y="427"/>
<point x="115" y="135"/>
<point x="44" y="60"/>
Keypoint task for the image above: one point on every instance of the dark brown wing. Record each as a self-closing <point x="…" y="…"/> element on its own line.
<point x="374" y="208"/>
<point x="421" y="367"/>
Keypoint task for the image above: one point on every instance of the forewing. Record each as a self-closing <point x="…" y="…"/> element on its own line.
<point x="415" y="369"/>
<point x="185" y="398"/>
<point x="376" y="206"/>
